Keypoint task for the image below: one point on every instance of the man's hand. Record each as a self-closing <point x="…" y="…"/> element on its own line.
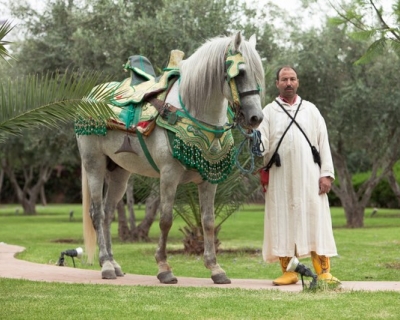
<point x="325" y="184"/>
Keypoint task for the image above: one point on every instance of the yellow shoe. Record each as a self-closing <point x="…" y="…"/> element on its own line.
<point x="288" y="277"/>
<point x="329" y="278"/>
<point x="322" y="266"/>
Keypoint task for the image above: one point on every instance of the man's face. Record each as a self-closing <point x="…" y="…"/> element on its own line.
<point x="287" y="83"/>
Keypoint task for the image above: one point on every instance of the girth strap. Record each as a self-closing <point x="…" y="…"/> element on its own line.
<point x="143" y="143"/>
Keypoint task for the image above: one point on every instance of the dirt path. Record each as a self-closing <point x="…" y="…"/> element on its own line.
<point x="10" y="267"/>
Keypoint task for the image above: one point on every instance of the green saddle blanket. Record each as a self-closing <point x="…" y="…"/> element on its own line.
<point x="213" y="156"/>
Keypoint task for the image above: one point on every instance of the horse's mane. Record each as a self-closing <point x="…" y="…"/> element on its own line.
<point x="204" y="71"/>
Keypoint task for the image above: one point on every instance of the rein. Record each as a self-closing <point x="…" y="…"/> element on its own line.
<point x="255" y="145"/>
<point x="253" y="138"/>
<point x="218" y="132"/>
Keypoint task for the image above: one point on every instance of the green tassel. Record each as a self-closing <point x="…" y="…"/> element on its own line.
<point x="85" y="127"/>
<point x="192" y="158"/>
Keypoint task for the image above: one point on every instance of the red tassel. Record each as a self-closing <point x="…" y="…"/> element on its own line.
<point x="264" y="179"/>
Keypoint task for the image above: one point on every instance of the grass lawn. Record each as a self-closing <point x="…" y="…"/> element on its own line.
<point x="368" y="254"/>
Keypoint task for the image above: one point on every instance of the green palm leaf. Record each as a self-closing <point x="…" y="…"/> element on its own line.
<point x="5" y="28"/>
<point x="51" y="99"/>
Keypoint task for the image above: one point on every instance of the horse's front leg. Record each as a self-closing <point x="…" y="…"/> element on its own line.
<point x="168" y="186"/>
<point x="116" y="187"/>
<point x="206" y="196"/>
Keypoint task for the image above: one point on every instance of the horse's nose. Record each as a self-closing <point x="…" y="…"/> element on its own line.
<point x="256" y="120"/>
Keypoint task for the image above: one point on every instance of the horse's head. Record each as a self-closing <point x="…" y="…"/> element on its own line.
<point x="244" y="81"/>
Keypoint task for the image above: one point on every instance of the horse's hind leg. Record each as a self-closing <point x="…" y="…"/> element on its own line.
<point x="116" y="186"/>
<point x="167" y="195"/>
<point x="206" y="196"/>
<point x="95" y="167"/>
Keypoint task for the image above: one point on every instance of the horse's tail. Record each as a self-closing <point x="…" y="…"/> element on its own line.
<point x="89" y="234"/>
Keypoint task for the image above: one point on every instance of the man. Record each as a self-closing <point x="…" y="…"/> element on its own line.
<point x="297" y="215"/>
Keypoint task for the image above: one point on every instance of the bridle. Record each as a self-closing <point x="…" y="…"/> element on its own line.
<point x="232" y="63"/>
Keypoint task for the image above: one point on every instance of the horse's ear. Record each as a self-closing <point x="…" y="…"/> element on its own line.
<point x="253" y="41"/>
<point x="238" y="41"/>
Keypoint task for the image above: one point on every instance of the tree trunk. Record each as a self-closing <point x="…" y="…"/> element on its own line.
<point x="43" y="199"/>
<point x="354" y="215"/>
<point x="152" y="205"/>
<point x="394" y="185"/>
<point x="130" y="202"/>
<point x="354" y="202"/>
<point x="1" y="180"/>
<point x="28" y="195"/>
<point x="28" y="206"/>
<point x="123" y="228"/>
<point x="193" y="241"/>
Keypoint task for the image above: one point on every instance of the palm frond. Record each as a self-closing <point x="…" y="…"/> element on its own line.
<point x="5" y="28"/>
<point x="231" y="194"/>
<point x="51" y="99"/>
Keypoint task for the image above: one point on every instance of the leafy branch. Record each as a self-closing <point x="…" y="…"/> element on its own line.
<point x="382" y="35"/>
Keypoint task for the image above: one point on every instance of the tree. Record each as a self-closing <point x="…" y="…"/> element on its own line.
<point x="147" y="190"/>
<point x="28" y="161"/>
<point x="231" y="194"/>
<point x="359" y="106"/>
<point x="5" y="29"/>
<point x="368" y="21"/>
<point x="35" y="101"/>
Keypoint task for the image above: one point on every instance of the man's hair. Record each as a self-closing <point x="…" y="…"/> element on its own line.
<point x="284" y="67"/>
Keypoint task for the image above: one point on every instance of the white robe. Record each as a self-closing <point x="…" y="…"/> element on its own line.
<point x="296" y="216"/>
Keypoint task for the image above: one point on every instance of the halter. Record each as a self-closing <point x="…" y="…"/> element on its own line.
<point x="233" y="60"/>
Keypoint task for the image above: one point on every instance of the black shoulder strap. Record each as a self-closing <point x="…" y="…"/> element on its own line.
<point x="275" y="156"/>
<point x="316" y="156"/>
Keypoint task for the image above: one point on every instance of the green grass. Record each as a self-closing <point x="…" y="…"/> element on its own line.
<point x="368" y="254"/>
<point x="22" y="299"/>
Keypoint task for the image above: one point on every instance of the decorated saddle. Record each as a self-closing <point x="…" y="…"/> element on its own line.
<point x="133" y="102"/>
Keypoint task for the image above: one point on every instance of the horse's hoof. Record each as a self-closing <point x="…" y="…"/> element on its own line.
<point x="108" y="271"/>
<point x="167" y="277"/>
<point x="108" y="274"/>
<point x="118" y="272"/>
<point x="221" y="279"/>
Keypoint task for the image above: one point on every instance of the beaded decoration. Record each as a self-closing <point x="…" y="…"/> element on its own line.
<point x="213" y="157"/>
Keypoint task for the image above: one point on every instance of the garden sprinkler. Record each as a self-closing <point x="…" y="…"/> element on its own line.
<point x="70" y="253"/>
<point x="296" y="266"/>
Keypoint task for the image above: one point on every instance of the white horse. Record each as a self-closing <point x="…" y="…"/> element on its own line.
<point x="208" y="81"/>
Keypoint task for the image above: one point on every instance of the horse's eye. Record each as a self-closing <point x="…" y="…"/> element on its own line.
<point x="242" y="69"/>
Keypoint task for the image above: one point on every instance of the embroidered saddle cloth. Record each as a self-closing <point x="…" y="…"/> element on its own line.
<point x="212" y="155"/>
